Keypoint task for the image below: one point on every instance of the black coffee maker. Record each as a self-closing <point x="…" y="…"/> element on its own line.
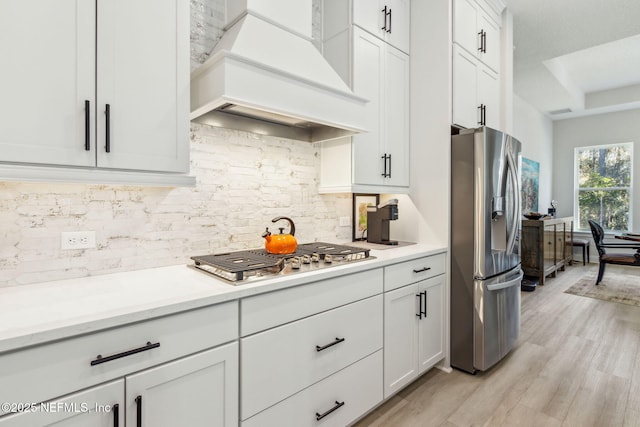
<point x="378" y="218"/>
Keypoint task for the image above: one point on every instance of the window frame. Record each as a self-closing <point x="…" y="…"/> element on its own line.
<point x="577" y="189"/>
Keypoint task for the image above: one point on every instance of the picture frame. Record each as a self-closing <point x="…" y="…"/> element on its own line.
<point x="359" y="214"/>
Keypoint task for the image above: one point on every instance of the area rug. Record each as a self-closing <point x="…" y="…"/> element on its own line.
<point x="621" y="286"/>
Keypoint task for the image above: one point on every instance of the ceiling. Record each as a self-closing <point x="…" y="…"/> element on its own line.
<point x="577" y="55"/>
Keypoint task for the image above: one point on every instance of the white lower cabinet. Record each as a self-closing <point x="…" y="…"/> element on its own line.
<point x="98" y="406"/>
<point x="199" y="390"/>
<point x="335" y="401"/>
<point x="196" y="391"/>
<point x="282" y="361"/>
<point x="413" y="331"/>
<point x="180" y="369"/>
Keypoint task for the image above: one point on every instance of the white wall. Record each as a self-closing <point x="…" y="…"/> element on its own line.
<point x="424" y="213"/>
<point x="608" y="128"/>
<point x="535" y="131"/>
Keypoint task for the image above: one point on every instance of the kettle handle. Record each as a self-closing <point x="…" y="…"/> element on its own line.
<point x="291" y="225"/>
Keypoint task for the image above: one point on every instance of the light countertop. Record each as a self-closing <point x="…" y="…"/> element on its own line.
<point x="34" y="314"/>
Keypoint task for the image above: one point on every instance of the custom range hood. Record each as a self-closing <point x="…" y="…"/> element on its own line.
<point x="265" y="76"/>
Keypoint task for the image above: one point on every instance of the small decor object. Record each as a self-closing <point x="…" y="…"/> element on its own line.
<point x="359" y="220"/>
<point x="533" y="215"/>
<point x="552" y="210"/>
<point x="530" y="185"/>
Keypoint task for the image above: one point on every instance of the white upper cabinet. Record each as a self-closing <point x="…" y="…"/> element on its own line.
<point x="54" y="96"/>
<point x="48" y="71"/>
<point x="476" y="92"/>
<point x="376" y="161"/>
<point x="143" y="76"/>
<point x="476" y="65"/>
<point x="477" y="32"/>
<point x="389" y="20"/>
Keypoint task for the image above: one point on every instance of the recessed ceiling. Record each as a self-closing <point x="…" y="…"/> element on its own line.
<point x="577" y="55"/>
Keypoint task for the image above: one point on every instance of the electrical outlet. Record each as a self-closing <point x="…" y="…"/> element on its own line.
<point x="345" y="221"/>
<point x="77" y="240"/>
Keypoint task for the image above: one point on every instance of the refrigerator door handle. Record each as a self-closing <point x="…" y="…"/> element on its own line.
<point x="512" y="167"/>
<point x="506" y="284"/>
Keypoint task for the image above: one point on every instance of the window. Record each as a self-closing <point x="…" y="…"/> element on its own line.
<point x="603" y="186"/>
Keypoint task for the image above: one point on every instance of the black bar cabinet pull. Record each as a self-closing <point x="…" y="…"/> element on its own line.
<point x="389" y="174"/>
<point x="99" y="359"/>
<point x="87" y="125"/>
<point x="422" y="269"/>
<point x="484" y="115"/>
<point x="107" y="132"/>
<point x="384" y="13"/>
<point x="138" y="411"/>
<point x="387" y="169"/>
<point x="484" y="41"/>
<point x="390" y="19"/>
<point x="338" y="405"/>
<point x="324" y="347"/>
<point x="423" y="304"/>
<point x="116" y="415"/>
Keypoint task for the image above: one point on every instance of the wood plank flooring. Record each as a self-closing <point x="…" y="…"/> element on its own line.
<point x="576" y="363"/>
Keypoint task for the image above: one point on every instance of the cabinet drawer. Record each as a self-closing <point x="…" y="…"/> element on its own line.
<point x="46" y="371"/>
<point x="404" y="273"/>
<point x="276" y="308"/>
<point x="282" y="361"/>
<point x="352" y="392"/>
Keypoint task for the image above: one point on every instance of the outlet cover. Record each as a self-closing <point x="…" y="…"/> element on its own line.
<point x="77" y="240"/>
<point x="345" y="221"/>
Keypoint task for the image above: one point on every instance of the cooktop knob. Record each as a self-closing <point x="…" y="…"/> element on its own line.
<point x="295" y="263"/>
<point x="306" y="259"/>
<point x="328" y="259"/>
<point x="315" y="257"/>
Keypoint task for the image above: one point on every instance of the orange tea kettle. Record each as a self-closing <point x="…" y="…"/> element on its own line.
<point x="281" y="243"/>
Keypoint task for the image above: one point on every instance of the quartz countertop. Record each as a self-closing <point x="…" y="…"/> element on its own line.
<point x="38" y="313"/>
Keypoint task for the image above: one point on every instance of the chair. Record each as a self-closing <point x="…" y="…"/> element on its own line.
<point x="584" y="244"/>
<point x="612" y="258"/>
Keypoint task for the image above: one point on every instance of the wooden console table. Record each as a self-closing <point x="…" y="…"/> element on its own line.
<point x="546" y="246"/>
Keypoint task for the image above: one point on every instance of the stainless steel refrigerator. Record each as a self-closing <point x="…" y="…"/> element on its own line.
<point x="485" y="247"/>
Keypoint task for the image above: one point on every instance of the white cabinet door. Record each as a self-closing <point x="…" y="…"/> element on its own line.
<point x="431" y="325"/>
<point x="400" y="338"/>
<point x="477" y="32"/>
<point x="143" y="81"/>
<point x="368" y="82"/>
<point x="388" y="20"/>
<point x="97" y="406"/>
<point x="465" y="104"/>
<point x="48" y="71"/>
<point x="381" y="74"/>
<point x="396" y="117"/>
<point x="490" y="52"/>
<point x="465" y="32"/>
<point x="400" y="21"/>
<point x="197" y="391"/>
<point x="489" y="96"/>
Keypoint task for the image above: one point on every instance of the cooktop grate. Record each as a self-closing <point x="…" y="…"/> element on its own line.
<point x="238" y="266"/>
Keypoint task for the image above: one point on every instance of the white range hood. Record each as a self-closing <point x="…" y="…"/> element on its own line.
<point x="265" y="76"/>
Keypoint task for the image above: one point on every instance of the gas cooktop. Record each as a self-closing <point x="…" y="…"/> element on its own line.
<point x="254" y="264"/>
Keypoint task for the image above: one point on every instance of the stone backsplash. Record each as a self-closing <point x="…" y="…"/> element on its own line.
<point x="243" y="180"/>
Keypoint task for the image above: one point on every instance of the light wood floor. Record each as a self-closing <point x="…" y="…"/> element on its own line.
<point x="577" y="363"/>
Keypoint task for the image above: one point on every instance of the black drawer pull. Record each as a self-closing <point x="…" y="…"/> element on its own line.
<point x="338" y="405"/>
<point x="422" y="270"/>
<point x="116" y="415"/>
<point x="324" y="347"/>
<point x="138" y="411"/>
<point x="100" y="359"/>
